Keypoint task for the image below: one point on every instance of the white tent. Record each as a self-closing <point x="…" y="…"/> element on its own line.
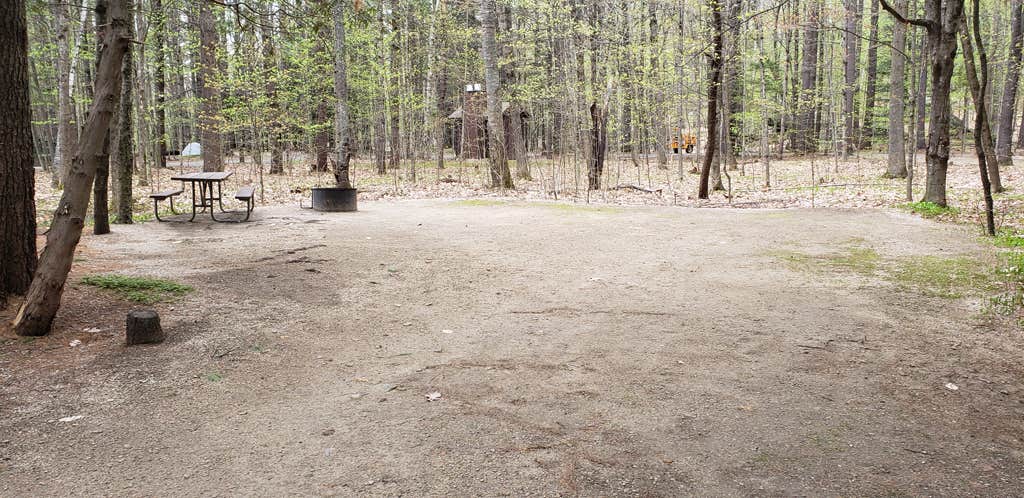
<point x="192" y="149"/>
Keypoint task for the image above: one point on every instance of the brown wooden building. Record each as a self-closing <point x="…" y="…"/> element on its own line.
<point x="469" y="126"/>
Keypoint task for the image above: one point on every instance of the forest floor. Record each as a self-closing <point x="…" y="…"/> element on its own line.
<point x="796" y="182"/>
<point x="468" y="347"/>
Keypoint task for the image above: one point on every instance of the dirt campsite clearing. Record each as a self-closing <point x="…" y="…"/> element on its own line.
<point x="437" y="347"/>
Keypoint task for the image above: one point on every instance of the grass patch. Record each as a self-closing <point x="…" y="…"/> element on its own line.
<point x="138" y="289"/>
<point x="213" y="377"/>
<point x="929" y="209"/>
<point x="1008" y="238"/>
<point x="934" y="276"/>
<point x="861" y="260"/>
<point x="944" y="277"/>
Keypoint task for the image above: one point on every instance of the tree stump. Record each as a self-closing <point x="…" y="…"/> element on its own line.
<point x="143" y="327"/>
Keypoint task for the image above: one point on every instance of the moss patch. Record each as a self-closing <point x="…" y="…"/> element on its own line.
<point x="944" y="277"/>
<point x="138" y="289"/>
<point x="930" y="209"/>
<point x="854" y="259"/>
<point x="937" y="276"/>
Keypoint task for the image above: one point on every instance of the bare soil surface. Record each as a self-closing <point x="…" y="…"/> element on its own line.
<point x="577" y="350"/>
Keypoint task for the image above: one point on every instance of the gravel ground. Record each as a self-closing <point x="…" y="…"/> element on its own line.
<point x="571" y="349"/>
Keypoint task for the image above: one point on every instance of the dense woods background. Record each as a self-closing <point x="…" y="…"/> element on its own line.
<point x="802" y="76"/>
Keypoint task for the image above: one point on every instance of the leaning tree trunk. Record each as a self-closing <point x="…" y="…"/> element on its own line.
<point x="897" y="84"/>
<point x="36" y="315"/>
<point x="714" y="89"/>
<point x="209" y="91"/>
<point x="978" y="84"/>
<point x="500" y="174"/>
<point x="341" y="131"/>
<point x="17" y="174"/>
<point x="979" y="89"/>
<point x="1004" y="140"/>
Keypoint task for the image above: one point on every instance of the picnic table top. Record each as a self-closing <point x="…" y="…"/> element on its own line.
<point x="214" y="176"/>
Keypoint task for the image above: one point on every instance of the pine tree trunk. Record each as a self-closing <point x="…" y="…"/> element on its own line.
<point x="17" y="173"/>
<point x="805" y="139"/>
<point x="1008" y="106"/>
<point x="36" y="315"/>
<point x="100" y="188"/>
<point x="124" y="158"/>
<point x="209" y="91"/>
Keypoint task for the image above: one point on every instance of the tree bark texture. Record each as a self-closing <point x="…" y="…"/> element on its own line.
<point x="500" y="174"/>
<point x="714" y="89"/>
<point x="17" y="173"/>
<point x="867" y="129"/>
<point x="209" y="90"/>
<point x="124" y="157"/>
<point x="897" y="93"/>
<point x="1008" y="105"/>
<point x="341" y="121"/>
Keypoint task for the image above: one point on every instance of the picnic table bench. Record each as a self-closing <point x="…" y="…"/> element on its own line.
<point x="159" y="196"/>
<point x="246" y="194"/>
<point x="209" y="196"/>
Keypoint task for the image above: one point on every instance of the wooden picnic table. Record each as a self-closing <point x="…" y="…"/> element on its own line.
<point x="206" y="181"/>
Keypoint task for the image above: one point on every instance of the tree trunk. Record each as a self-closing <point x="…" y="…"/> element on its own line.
<point x="943" y="54"/>
<point x="159" y="82"/>
<point x="714" y="84"/>
<point x="920" y="140"/>
<point x="100" y="188"/>
<point x="209" y="90"/>
<point x="851" y="44"/>
<point x="867" y="129"/>
<point x="269" y="64"/>
<point x="979" y="87"/>
<point x="67" y="130"/>
<point x="124" y="158"/>
<point x="17" y="174"/>
<point x="341" y="131"/>
<point x="1008" y="106"/>
<point x="500" y="174"/>
<point x="897" y="83"/>
<point x="36" y="315"/>
<point x="806" y="138"/>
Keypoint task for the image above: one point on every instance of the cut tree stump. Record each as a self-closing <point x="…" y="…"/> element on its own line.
<point x="143" y="327"/>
